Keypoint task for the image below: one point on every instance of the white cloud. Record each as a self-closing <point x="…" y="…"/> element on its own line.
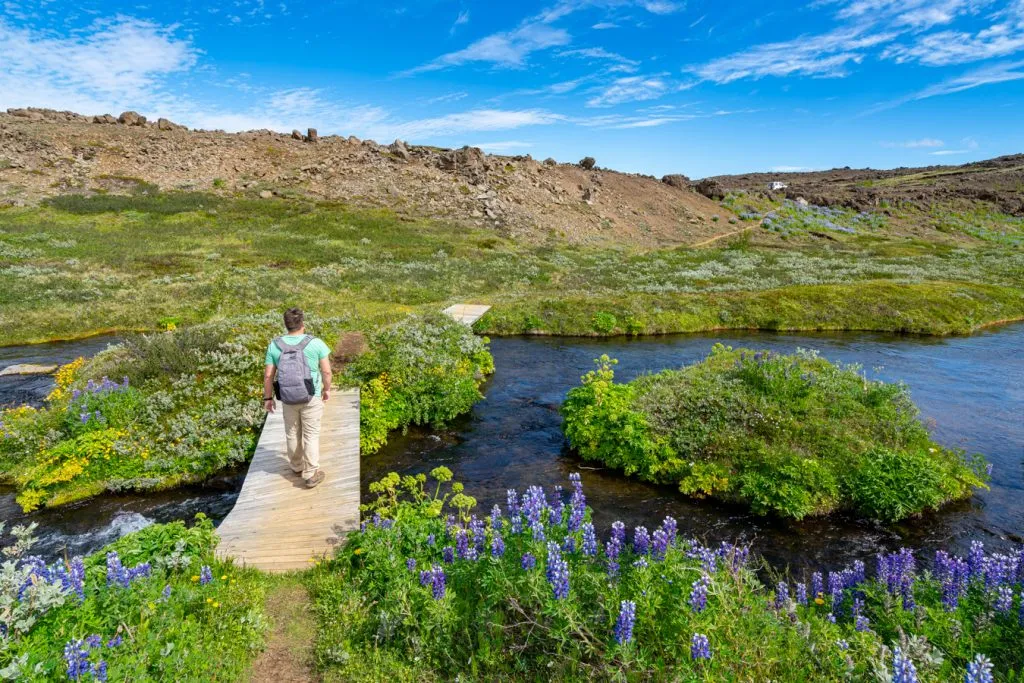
<point x="1004" y="72"/>
<point x="967" y="145"/>
<point x="116" y="63"/>
<point x="825" y="55"/>
<point x="466" y="122"/>
<point x="915" y="144"/>
<point x="508" y="49"/>
<point x="661" y="6"/>
<point x="629" y="89"/>
<point x="460" y="20"/>
<point x="788" y="169"/>
<point x="505" y="146"/>
<point x="599" y="53"/>
<point x="956" y="47"/>
<point x="448" y="97"/>
<point x="604" y="26"/>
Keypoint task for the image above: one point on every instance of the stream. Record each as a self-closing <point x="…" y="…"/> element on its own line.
<point x="970" y="391"/>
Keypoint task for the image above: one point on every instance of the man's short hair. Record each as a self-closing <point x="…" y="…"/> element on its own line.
<point x="293" y="319"/>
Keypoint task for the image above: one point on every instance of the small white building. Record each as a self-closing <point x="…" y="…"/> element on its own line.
<point x="776" y="185"/>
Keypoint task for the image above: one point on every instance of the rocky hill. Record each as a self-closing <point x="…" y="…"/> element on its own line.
<point x="45" y="153"/>
<point x="998" y="182"/>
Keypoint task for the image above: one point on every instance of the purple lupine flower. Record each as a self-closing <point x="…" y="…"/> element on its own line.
<point x="537" y="530"/>
<point x="835" y="589"/>
<point x="496" y="518"/>
<point x="1004" y="599"/>
<point x="578" y="503"/>
<point x="76" y="656"/>
<point x="781" y="595"/>
<point x="479" y="531"/>
<point x="205" y="575"/>
<point x="76" y="577"/>
<point x="659" y="544"/>
<point x="842" y="645"/>
<point x="99" y="671"/>
<point x="528" y="562"/>
<point x="461" y="544"/>
<point x="94" y="641"/>
<point x="589" y="540"/>
<point x="1020" y="614"/>
<point x="862" y="624"/>
<point x="801" y="593"/>
<point x="117" y="575"/>
<point x="858" y="575"/>
<point x="641" y="541"/>
<point x="450" y="526"/>
<point x="569" y="545"/>
<point x="612" y="550"/>
<point x="671" y="528"/>
<point x="557" y="572"/>
<point x="817" y="586"/>
<point x="387" y="524"/>
<point x="497" y="545"/>
<point x="533" y="505"/>
<point x="115" y="641"/>
<point x="831" y="616"/>
<point x="448" y="554"/>
<point x="700" y="647"/>
<point x="514" y="511"/>
<point x="903" y="670"/>
<point x="424" y="577"/>
<point x="167" y="592"/>
<point x="976" y="559"/>
<point x="619" y="533"/>
<point x="979" y="670"/>
<point x="431" y="540"/>
<point x="410" y="564"/>
<point x="640" y="563"/>
<point x="437" y="582"/>
<point x="699" y="594"/>
<point x="624" y="625"/>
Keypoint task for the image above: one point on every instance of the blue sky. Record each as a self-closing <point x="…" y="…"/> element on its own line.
<point x="652" y="86"/>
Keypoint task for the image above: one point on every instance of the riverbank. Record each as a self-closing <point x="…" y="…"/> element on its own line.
<point x="78" y="267"/>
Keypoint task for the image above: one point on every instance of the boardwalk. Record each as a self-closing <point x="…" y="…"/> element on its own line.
<point x="278" y="524"/>
<point x="467" y="313"/>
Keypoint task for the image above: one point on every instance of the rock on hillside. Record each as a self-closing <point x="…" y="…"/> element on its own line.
<point x="44" y="152"/>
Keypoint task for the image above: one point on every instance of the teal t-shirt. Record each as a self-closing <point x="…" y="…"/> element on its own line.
<point x="314" y="351"/>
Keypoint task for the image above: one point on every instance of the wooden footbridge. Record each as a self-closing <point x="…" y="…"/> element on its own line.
<point x="278" y="524"/>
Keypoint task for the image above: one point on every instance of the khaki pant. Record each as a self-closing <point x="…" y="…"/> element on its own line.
<point x="302" y="434"/>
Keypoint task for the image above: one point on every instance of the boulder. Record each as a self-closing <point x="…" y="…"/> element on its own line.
<point x="353" y="140"/>
<point x="104" y="119"/>
<point x="677" y="180"/>
<point x="296" y="135"/>
<point x="28" y="369"/>
<point x="468" y="161"/>
<point x="398" y="149"/>
<point x="550" y="162"/>
<point x="266" y="194"/>
<point x="588" y="162"/>
<point x="131" y="118"/>
<point x="165" y="124"/>
<point x="26" y="114"/>
<point x="710" y="188"/>
<point x="311" y="135"/>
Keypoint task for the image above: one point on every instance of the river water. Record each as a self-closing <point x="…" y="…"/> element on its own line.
<point x="970" y="391"/>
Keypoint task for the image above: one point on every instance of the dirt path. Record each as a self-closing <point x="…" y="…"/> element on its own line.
<point x="723" y="235"/>
<point x="288" y="657"/>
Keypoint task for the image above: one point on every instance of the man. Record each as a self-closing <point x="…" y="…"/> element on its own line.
<point x="299" y="372"/>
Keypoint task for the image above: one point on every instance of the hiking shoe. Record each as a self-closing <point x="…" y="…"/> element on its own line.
<point x="315" y="480"/>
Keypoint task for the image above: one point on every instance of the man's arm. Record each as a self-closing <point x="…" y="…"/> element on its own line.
<point x="325" y="376"/>
<point x="269" y="372"/>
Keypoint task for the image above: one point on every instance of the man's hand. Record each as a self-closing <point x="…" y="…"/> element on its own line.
<point x="326" y="394"/>
<point x="269" y="406"/>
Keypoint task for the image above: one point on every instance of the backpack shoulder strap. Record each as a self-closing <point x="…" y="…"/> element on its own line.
<point x="301" y="346"/>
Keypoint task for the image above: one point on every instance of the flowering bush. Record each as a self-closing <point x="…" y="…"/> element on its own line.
<point x="429" y="592"/>
<point x="423" y="370"/>
<point x="792" y="435"/>
<point x="135" y="610"/>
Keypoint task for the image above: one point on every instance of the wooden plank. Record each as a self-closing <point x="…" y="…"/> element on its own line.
<point x="466" y="313"/>
<point x="277" y="524"/>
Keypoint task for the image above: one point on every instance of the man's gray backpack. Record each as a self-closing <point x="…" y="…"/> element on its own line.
<point x="294" y="383"/>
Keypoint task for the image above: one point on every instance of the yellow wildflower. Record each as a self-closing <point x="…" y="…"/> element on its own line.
<point x="216" y="604"/>
<point x="208" y="600"/>
<point x="194" y="579"/>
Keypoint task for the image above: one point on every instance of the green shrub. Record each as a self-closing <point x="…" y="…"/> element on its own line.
<point x="147" y="200"/>
<point x="603" y="323"/>
<point x="423" y="370"/>
<point x="790" y="435"/>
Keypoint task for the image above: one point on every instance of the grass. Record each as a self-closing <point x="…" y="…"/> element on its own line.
<point x="83" y="264"/>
